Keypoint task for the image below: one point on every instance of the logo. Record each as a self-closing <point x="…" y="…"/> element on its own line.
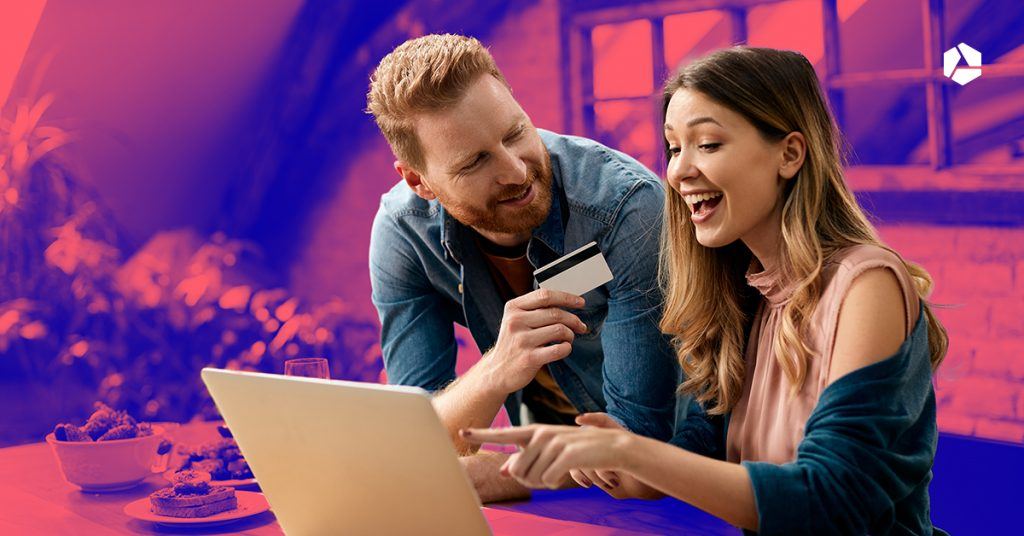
<point x="961" y="74"/>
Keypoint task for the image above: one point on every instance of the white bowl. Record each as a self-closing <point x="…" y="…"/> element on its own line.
<point x="110" y="465"/>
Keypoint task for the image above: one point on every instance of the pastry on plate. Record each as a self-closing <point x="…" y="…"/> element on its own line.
<point x="192" y="496"/>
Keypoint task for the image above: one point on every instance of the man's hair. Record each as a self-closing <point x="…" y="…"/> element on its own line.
<point x="424" y="74"/>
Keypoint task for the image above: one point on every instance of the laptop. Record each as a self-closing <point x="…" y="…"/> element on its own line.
<point x="338" y="457"/>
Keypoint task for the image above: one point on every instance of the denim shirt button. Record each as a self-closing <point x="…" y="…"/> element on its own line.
<point x="460" y="288"/>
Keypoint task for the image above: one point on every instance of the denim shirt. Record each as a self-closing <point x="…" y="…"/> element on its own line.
<point x="427" y="273"/>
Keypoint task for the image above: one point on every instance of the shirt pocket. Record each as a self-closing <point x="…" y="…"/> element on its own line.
<point x="593" y="317"/>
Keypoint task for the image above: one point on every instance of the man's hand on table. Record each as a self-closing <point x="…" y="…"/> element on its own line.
<point x="483" y="470"/>
<point x="549" y="455"/>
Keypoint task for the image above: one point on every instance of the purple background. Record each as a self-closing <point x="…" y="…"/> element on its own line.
<point x="208" y="196"/>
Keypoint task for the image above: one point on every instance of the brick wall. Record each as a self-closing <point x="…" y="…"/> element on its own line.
<point x="533" y="71"/>
<point x="979" y="275"/>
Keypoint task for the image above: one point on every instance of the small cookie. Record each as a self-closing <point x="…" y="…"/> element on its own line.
<point x="70" y="432"/>
<point x="124" y="431"/>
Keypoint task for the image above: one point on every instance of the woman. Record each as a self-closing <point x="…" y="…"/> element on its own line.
<point x="807" y="345"/>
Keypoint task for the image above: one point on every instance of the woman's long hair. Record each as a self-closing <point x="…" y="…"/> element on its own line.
<point x="708" y="301"/>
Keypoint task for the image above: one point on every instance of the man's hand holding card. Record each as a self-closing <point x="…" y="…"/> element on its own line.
<point x="535" y="328"/>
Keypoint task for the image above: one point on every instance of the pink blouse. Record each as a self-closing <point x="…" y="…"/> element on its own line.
<point x="767" y="424"/>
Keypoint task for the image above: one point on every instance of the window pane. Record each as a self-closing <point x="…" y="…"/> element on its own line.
<point x="988" y="113"/>
<point x="622" y="60"/>
<point x="886" y="124"/>
<point x="993" y="28"/>
<point x="880" y="36"/>
<point x="793" y="25"/>
<point x="629" y="127"/>
<point x="691" y="35"/>
<point x="988" y="121"/>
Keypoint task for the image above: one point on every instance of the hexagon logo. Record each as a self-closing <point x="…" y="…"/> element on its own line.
<point x="951" y="64"/>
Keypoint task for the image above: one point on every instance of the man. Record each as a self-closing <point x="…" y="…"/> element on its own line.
<point x="486" y="198"/>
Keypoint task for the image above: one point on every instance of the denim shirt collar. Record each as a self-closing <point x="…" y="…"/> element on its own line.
<point x="551" y="232"/>
<point x="451" y="235"/>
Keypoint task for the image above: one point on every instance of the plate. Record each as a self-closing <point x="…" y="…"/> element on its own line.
<point x="245" y="482"/>
<point x="121" y="486"/>
<point x="250" y="503"/>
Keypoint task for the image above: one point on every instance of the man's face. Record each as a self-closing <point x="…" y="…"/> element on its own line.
<point x="485" y="161"/>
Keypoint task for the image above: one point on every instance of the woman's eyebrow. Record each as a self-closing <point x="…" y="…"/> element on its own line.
<point x="694" y="122"/>
<point x="699" y="120"/>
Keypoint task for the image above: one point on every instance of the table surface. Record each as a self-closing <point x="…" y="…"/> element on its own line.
<point x="35" y="499"/>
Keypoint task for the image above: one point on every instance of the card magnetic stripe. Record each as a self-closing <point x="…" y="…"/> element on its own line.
<point x="565" y="264"/>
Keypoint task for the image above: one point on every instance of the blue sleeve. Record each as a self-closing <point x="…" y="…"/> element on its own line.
<point x="417" y="333"/>
<point x="698" y="432"/>
<point x="865" y="461"/>
<point x="640" y="372"/>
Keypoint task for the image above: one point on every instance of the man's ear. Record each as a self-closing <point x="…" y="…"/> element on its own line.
<point x="794" y="150"/>
<point x="414" y="180"/>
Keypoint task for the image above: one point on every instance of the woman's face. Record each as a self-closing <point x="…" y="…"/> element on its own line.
<point x="730" y="177"/>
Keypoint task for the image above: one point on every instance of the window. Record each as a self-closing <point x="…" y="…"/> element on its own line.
<point x="891" y="99"/>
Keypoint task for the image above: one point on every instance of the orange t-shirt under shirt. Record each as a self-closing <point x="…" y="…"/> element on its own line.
<point x="513" y="277"/>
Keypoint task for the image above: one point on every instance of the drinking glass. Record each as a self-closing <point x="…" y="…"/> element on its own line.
<point x="308" y="367"/>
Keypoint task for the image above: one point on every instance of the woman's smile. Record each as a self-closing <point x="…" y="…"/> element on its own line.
<point x="702" y="205"/>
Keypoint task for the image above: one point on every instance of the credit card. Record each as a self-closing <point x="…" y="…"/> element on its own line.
<point x="577" y="273"/>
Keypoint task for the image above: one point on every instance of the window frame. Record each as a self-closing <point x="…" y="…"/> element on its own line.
<point x="578" y="75"/>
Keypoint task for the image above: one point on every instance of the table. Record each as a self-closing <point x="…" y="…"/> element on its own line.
<point x="35" y="499"/>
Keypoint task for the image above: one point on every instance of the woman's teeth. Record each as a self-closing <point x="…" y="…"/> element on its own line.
<point x="694" y="199"/>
